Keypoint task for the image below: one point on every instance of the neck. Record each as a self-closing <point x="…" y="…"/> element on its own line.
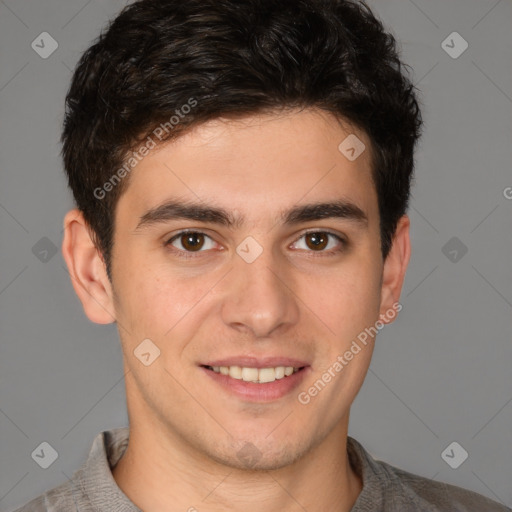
<point x="161" y="472"/>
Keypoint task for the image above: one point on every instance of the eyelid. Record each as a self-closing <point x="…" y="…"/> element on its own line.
<point x="190" y="254"/>
<point x="169" y="239"/>
<point x="341" y="239"/>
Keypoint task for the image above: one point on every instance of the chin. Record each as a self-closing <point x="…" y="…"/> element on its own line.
<point x="258" y="455"/>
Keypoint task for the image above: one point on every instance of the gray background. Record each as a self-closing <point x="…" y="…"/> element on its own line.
<point x="440" y="373"/>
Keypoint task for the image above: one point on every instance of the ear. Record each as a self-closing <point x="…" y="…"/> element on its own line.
<point x="394" y="269"/>
<point x="87" y="269"/>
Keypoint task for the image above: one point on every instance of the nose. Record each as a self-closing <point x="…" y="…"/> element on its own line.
<point x="260" y="300"/>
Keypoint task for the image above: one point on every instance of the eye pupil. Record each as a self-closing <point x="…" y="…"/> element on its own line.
<point x="190" y="241"/>
<point x="319" y="240"/>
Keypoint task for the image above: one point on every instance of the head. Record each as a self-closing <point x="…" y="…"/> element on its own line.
<point x="236" y="112"/>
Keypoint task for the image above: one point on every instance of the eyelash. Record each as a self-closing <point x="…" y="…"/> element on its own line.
<point x="194" y="254"/>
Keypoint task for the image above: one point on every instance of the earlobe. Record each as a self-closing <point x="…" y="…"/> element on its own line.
<point x="87" y="270"/>
<point x="395" y="267"/>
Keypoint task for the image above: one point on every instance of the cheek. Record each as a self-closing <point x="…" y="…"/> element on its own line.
<point x="151" y="299"/>
<point x="349" y="305"/>
<point x="347" y="299"/>
<point x="161" y="304"/>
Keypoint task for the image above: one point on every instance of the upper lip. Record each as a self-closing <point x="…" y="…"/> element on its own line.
<point x="257" y="362"/>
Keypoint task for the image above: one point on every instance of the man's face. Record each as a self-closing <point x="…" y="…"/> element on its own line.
<point x="258" y="293"/>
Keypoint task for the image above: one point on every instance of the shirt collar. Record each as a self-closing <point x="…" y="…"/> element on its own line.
<point x="95" y="476"/>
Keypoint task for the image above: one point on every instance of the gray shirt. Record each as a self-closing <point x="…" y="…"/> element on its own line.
<point x="385" y="488"/>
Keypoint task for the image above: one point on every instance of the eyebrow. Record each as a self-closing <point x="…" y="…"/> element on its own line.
<point x="174" y="209"/>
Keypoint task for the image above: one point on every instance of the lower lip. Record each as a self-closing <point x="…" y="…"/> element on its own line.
<point x="256" y="392"/>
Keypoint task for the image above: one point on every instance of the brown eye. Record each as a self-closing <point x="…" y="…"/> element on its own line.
<point x="322" y="242"/>
<point x="317" y="240"/>
<point x="190" y="241"/>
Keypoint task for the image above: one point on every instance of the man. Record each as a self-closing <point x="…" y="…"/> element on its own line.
<point x="241" y="171"/>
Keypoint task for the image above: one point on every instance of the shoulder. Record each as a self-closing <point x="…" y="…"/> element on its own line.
<point x="59" y="499"/>
<point x="442" y="496"/>
<point x="393" y="489"/>
<point x="91" y="487"/>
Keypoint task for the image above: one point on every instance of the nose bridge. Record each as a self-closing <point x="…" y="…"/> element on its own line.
<point x="259" y="298"/>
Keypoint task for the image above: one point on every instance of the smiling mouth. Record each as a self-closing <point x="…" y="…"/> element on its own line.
<point x="255" y="375"/>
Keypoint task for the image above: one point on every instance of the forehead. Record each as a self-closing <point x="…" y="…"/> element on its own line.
<point x="256" y="165"/>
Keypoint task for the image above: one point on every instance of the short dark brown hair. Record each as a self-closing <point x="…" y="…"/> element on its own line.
<point x="234" y="58"/>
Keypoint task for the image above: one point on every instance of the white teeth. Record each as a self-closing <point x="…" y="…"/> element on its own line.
<point x="235" y="372"/>
<point x="249" y="374"/>
<point x="259" y="375"/>
<point x="267" y="375"/>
